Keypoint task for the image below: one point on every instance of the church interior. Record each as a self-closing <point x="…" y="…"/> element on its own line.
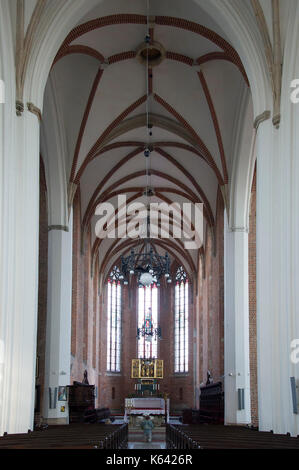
<point x="162" y="104"/>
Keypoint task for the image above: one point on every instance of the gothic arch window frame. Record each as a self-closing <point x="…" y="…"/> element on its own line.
<point x="181" y="322"/>
<point x="114" y="321"/>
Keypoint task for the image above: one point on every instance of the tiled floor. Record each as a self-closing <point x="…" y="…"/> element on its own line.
<point x="146" y="445"/>
<point x="136" y="439"/>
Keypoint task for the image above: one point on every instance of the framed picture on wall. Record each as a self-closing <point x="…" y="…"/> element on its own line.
<point x="62" y="394"/>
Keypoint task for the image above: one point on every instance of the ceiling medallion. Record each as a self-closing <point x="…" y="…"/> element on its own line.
<point x="151" y="54"/>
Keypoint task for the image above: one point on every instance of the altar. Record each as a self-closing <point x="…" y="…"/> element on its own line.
<point x="136" y="408"/>
<point x="147" y="400"/>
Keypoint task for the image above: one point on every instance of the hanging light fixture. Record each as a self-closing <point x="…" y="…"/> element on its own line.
<point x="149" y="266"/>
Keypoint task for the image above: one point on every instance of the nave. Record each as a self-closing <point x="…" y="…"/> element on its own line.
<point x="184" y="112"/>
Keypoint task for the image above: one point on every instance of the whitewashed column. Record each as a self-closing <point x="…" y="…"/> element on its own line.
<point x="19" y="273"/>
<point x="277" y="251"/>
<point x="7" y="211"/>
<point x="236" y="325"/>
<point x="58" y="336"/>
<point x="19" y="189"/>
<point x="265" y="273"/>
<point x="19" y="277"/>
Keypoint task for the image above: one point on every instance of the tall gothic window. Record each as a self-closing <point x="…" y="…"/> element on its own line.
<point x="147" y="306"/>
<point x="181" y="323"/>
<point x="114" y="322"/>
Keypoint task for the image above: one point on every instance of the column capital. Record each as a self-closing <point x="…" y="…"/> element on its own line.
<point x="35" y="110"/>
<point x="261" y="118"/>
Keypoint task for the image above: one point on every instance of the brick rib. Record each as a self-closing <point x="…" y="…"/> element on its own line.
<point x="224" y="56"/>
<point x="106" y="133"/>
<point x="187" y="126"/>
<point x="216" y="124"/>
<point x="100" y="186"/>
<point x="84" y="121"/>
<point x="79" y="49"/>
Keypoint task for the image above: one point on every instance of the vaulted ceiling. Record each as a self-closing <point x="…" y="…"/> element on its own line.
<point x="194" y="107"/>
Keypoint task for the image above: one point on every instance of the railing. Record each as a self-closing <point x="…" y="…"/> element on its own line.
<point x="116" y="440"/>
<point x="177" y="439"/>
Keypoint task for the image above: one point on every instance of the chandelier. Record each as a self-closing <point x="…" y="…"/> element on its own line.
<point x="149" y="266"/>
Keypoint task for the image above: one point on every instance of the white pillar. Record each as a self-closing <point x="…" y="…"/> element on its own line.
<point x="19" y="273"/>
<point x="277" y="252"/>
<point x="236" y="326"/>
<point x="277" y="260"/>
<point x="19" y="276"/>
<point x="266" y="315"/>
<point x="19" y="211"/>
<point x="58" y="337"/>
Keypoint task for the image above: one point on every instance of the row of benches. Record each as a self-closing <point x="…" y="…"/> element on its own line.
<point x="225" y="437"/>
<point x="117" y="439"/>
<point x="75" y="436"/>
<point x="176" y="438"/>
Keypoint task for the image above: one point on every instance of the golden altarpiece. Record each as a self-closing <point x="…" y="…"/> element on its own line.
<point x="147" y="398"/>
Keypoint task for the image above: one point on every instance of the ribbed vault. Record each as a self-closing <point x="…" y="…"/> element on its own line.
<point x="106" y="99"/>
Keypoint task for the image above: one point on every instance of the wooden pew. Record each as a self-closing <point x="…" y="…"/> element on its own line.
<point x="225" y="437"/>
<point x="88" y="436"/>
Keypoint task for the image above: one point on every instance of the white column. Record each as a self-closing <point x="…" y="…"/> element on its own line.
<point x="266" y="315"/>
<point x="278" y="253"/>
<point x="277" y="260"/>
<point x="19" y="211"/>
<point x="58" y="338"/>
<point x="236" y="325"/>
<point x="19" y="272"/>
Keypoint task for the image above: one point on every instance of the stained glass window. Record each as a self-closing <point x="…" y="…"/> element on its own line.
<point x="114" y="322"/>
<point x="181" y="323"/>
<point x="148" y="307"/>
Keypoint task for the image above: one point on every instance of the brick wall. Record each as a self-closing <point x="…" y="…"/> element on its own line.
<point x="211" y="302"/>
<point x="252" y="306"/>
<point x="77" y="366"/>
<point x="85" y="306"/>
<point x="42" y="285"/>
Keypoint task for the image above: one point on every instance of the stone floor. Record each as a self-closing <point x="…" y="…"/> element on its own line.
<point x="136" y="439"/>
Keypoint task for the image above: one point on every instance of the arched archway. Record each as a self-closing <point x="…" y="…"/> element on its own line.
<point x="56" y="22"/>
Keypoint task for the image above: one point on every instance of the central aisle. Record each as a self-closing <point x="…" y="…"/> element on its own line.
<point x="136" y="439"/>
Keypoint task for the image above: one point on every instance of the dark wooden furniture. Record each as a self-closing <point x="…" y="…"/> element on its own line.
<point x="75" y="436"/>
<point x="97" y="416"/>
<point x="81" y="399"/>
<point x="211" y="404"/>
<point x="225" y="437"/>
<point x="191" y="416"/>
